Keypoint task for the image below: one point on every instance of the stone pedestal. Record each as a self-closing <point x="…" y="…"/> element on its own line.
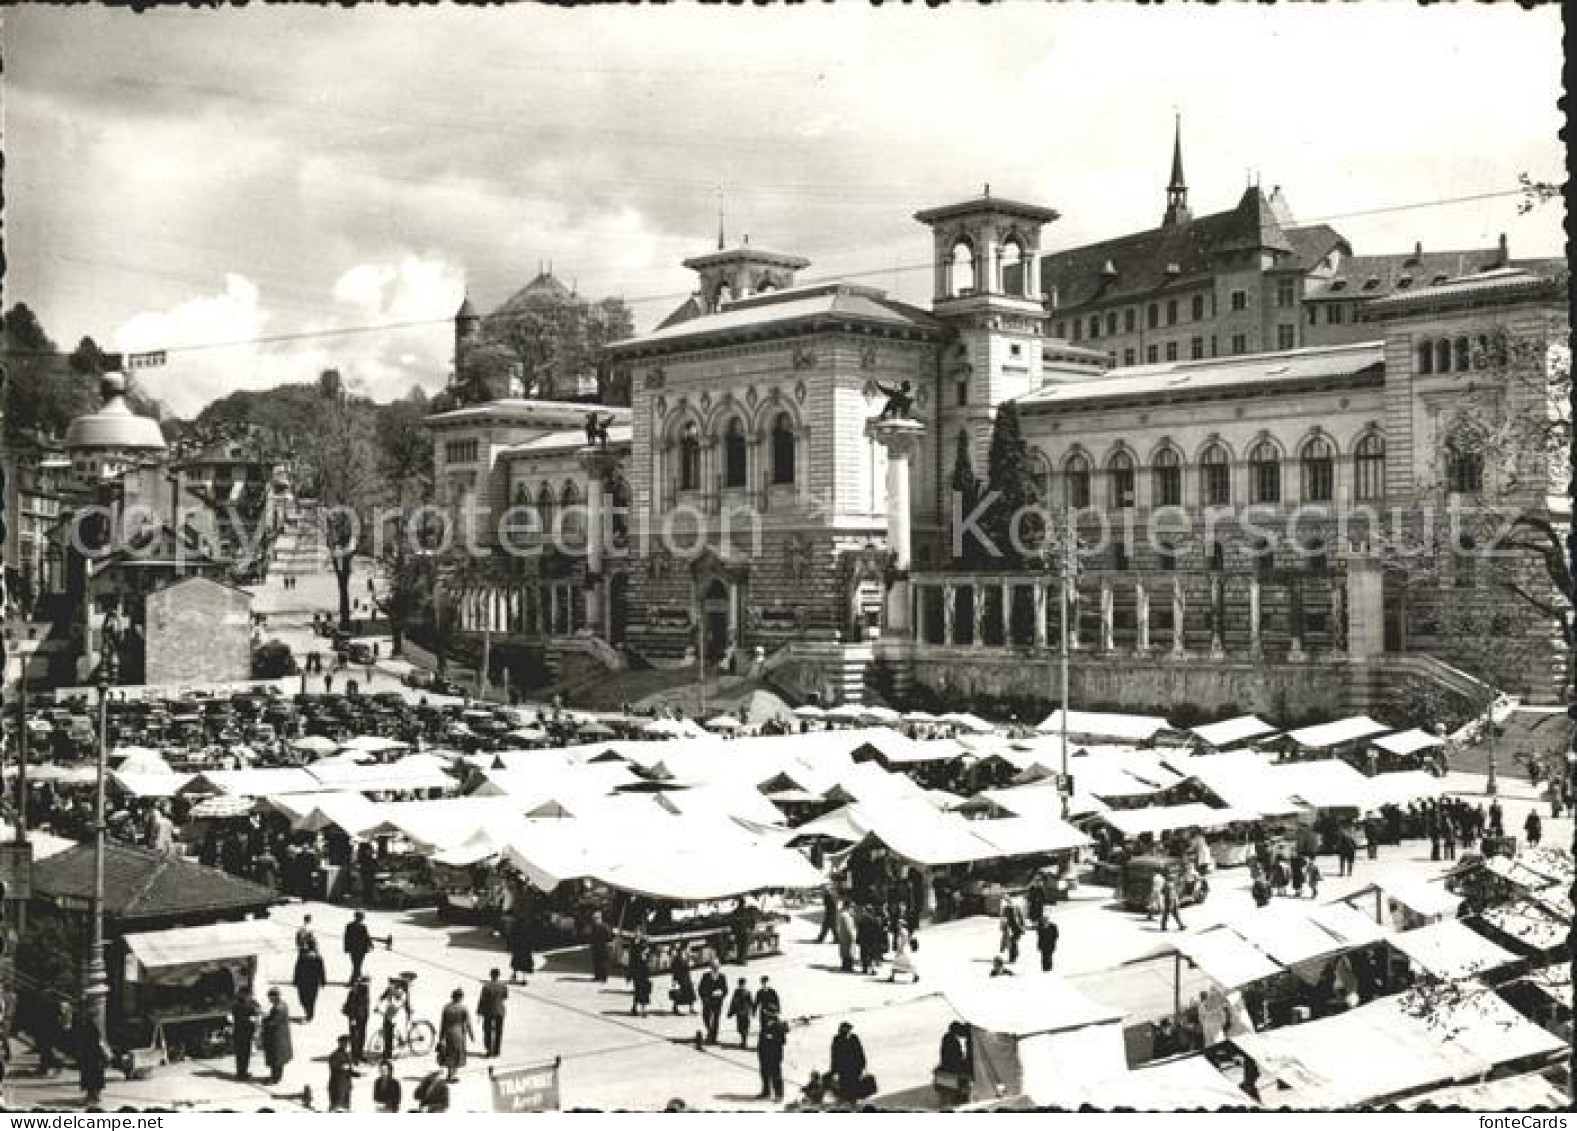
<point x="900" y="439"/>
<point x="599" y="464"/>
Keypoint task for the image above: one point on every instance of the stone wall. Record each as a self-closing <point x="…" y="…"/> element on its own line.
<point x="198" y="631"/>
<point x="1281" y="690"/>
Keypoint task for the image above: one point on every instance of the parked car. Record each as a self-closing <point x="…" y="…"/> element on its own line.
<point x="1137" y="877"/>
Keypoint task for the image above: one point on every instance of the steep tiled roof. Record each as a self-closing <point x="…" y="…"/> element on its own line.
<point x="142" y="884"/>
<point x="1078" y="276"/>
<point x="1172" y="380"/>
<point x="1313" y="243"/>
<point x="1375" y="276"/>
<point x="690" y="308"/>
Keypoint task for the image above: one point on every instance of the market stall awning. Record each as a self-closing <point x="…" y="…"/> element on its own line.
<point x="1526" y="1092"/>
<point x="1158" y="819"/>
<point x="1530" y="923"/>
<point x="1239" y="778"/>
<point x="149" y="785"/>
<point x="1191" y="1083"/>
<point x="1095" y="725"/>
<point x="253" y="783"/>
<point x="1426" y="900"/>
<point x="1451" y="950"/>
<point x="1232" y="732"/>
<point x="1328" y="784"/>
<point x="1028" y="836"/>
<point x="414" y="773"/>
<point x="1025" y="1005"/>
<point x="1326" y="735"/>
<point x="212" y="942"/>
<point x="1408" y="742"/>
<point x="1348" y="924"/>
<point x="1401" y="788"/>
<point x="1286" y="934"/>
<point x="1381" y="1051"/>
<point x="1222" y="955"/>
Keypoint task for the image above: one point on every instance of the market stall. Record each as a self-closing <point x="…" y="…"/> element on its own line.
<point x="1229" y="733"/>
<point x="178" y="985"/>
<point x="1038" y="1037"/>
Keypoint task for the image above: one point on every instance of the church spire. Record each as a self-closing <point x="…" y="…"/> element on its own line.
<point x="1177" y="188"/>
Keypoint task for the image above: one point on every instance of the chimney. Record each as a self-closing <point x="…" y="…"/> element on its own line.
<point x="1504" y="258"/>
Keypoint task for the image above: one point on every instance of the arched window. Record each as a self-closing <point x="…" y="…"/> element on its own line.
<point x="1464" y="469"/>
<point x="1153" y="315"/>
<point x="574" y="516"/>
<point x="1095" y="325"/>
<point x="1218" y="557"/>
<point x="1076" y="479"/>
<point x="1369" y="468"/>
<point x="961" y="270"/>
<point x="734" y="454"/>
<point x="1264" y="473"/>
<point x="1111" y="322"/>
<point x="690" y="458"/>
<point x="545" y="508"/>
<point x="1171" y="312"/>
<point x="1464" y="359"/>
<point x="1426" y="358"/>
<point x="1442" y="356"/>
<point x="783" y="449"/>
<point x="1015" y="279"/>
<point x="1215" y="476"/>
<point x="1319" y="471"/>
<point x="1168" y="478"/>
<point x="725" y="293"/>
<point x="1040" y="475"/>
<point x="1120" y="472"/>
<point x="1198" y="307"/>
<point x="522" y="495"/>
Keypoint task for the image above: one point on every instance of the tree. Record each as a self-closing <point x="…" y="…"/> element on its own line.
<point x="966" y="495"/>
<point x="606" y="322"/>
<point x="338" y="451"/>
<point x="405" y="460"/>
<point x="487" y="370"/>
<point x="273" y="660"/>
<point x="1011" y="482"/>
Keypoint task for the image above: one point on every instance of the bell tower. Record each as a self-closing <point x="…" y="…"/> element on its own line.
<point x="987" y="287"/>
<point x="731" y="273"/>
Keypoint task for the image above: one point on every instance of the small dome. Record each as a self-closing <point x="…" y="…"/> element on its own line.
<point x="115" y="425"/>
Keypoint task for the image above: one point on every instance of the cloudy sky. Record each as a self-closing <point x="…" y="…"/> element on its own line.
<point x="182" y="179"/>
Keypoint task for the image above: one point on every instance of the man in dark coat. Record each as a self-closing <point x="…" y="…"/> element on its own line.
<point x="741" y="1006"/>
<point x="358" y="941"/>
<point x="1046" y="934"/>
<point x="310" y="978"/>
<point x="358" y="1011"/>
<point x="848" y="1064"/>
<point x="276" y="1036"/>
<point x="341" y="1072"/>
<point x="767" y="1000"/>
<point x="600" y="939"/>
<point x="92" y="1057"/>
<point x="829" y="914"/>
<point x="713" y="989"/>
<point x="243" y="1030"/>
<point x="769" y="1055"/>
<point x="491" y="1004"/>
<point x="871" y="937"/>
<point x="742" y="923"/>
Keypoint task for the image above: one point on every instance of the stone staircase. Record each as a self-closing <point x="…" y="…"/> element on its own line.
<point x="1374" y="684"/>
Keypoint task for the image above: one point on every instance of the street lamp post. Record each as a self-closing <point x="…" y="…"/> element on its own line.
<point x="1491" y="786"/>
<point x="95" y="978"/>
<point x="1065" y="553"/>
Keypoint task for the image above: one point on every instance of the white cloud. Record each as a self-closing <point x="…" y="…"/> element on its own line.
<point x="387" y="328"/>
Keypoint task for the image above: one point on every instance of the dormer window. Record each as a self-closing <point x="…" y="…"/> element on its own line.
<point x="1339" y="284"/>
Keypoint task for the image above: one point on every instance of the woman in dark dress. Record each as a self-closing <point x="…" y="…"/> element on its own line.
<point x="522" y="955"/>
<point x="92" y="1058"/>
<point x="682" y="992"/>
<point x="640" y="969"/>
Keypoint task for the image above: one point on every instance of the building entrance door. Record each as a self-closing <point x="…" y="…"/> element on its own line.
<point x="717" y="612"/>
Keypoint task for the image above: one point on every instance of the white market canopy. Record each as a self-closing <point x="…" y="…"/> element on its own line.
<point x="1190" y="1083"/>
<point x="1120" y="728"/>
<point x="1226" y="958"/>
<point x="1408" y="742"/>
<point x="1158" y="819"/>
<point x="149" y="785"/>
<point x="206" y="945"/>
<point x="963" y="720"/>
<point x="1328" y="735"/>
<point x="1231" y="732"/>
<point x="1326" y="784"/>
<point x="267" y="782"/>
<point x="1241" y="779"/>
<point x="1380" y="1051"/>
<point x="1026" y="1005"/>
<point x="1451" y="951"/>
<point x="1400" y="788"/>
<point x="1426" y="900"/>
<point x="374" y="744"/>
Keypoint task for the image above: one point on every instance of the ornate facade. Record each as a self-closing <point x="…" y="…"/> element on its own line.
<point x="1241" y="512"/>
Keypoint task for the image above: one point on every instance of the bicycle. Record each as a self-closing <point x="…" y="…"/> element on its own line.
<point x="416" y="1037"/>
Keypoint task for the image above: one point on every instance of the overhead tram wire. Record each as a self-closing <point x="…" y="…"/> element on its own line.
<point x="679" y="296"/>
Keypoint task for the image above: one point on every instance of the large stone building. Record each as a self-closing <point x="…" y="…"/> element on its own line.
<point x="773" y="525"/>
